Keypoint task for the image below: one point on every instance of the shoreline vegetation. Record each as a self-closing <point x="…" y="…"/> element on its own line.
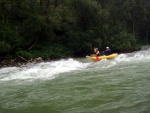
<point x="21" y="61"/>
<point x="54" y="29"/>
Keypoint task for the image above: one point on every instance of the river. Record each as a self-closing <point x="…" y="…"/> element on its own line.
<point x="121" y="85"/>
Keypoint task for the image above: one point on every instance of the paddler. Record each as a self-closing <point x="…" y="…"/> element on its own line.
<point x="96" y="51"/>
<point x="107" y="51"/>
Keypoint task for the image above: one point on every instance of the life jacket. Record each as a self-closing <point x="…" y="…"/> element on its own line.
<point x="96" y="53"/>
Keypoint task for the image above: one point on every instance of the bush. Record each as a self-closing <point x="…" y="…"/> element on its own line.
<point x="24" y="54"/>
<point x="53" y="51"/>
<point x="9" y="38"/>
<point x="4" y="47"/>
<point x="120" y="39"/>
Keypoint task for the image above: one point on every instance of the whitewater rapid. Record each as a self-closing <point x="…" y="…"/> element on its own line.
<point x="53" y="69"/>
<point x="44" y="70"/>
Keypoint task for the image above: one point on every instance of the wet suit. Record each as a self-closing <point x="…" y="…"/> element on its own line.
<point x="107" y="52"/>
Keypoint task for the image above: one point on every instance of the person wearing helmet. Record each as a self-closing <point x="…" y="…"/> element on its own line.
<point x="96" y="51"/>
<point x="107" y="51"/>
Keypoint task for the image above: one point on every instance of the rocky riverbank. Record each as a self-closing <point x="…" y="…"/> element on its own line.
<point x="19" y="61"/>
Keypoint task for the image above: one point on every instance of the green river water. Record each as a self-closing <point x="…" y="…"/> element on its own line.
<point x="121" y="85"/>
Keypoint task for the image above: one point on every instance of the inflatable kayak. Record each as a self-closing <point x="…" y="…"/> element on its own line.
<point x="103" y="57"/>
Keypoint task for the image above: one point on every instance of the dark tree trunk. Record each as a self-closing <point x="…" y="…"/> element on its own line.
<point x="30" y="46"/>
<point x="41" y="3"/>
<point x="46" y="7"/>
<point x="48" y="3"/>
<point x="12" y="5"/>
<point x="133" y="26"/>
<point x="147" y="33"/>
<point x="56" y="3"/>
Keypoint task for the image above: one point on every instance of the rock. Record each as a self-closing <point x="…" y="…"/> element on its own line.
<point x="31" y="60"/>
<point x="39" y="59"/>
<point x="22" y="59"/>
<point x="18" y="64"/>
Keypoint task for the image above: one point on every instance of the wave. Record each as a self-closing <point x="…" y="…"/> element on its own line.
<point x="48" y="70"/>
<point x="143" y="55"/>
<point x="123" y="60"/>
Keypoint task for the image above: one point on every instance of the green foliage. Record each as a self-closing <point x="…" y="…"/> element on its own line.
<point x="4" y="47"/>
<point x="7" y="57"/>
<point x="61" y="28"/>
<point x="53" y="51"/>
<point x="120" y="39"/>
<point x="9" y="38"/>
<point x="24" y="54"/>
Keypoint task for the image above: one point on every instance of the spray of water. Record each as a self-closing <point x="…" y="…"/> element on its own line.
<point x="50" y="70"/>
<point x="43" y="70"/>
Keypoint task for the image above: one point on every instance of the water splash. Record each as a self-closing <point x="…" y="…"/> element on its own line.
<point x="134" y="57"/>
<point x="50" y="70"/>
<point x="43" y="70"/>
<point x="123" y="59"/>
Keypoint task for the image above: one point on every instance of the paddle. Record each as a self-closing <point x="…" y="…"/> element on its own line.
<point x="97" y="58"/>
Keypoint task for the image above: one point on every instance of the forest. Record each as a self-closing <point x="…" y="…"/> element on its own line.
<point x="72" y="28"/>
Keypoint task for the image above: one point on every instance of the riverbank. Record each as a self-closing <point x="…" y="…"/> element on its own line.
<point x="19" y="61"/>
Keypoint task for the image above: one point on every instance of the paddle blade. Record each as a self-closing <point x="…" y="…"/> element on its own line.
<point x="97" y="59"/>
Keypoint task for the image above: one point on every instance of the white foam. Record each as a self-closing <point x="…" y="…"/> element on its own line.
<point x="50" y="70"/>
<point x="135" y="56"/>
<point x="47" y="70"/>
<point x="123" y="59"/>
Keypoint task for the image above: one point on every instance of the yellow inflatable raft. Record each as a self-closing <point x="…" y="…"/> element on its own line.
<point x="103" y="57"/>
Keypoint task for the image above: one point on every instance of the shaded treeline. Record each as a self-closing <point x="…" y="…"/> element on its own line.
<point x="60" y="28"/>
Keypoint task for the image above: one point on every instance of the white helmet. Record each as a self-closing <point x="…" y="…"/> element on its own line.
<point x="107" y="47"/>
